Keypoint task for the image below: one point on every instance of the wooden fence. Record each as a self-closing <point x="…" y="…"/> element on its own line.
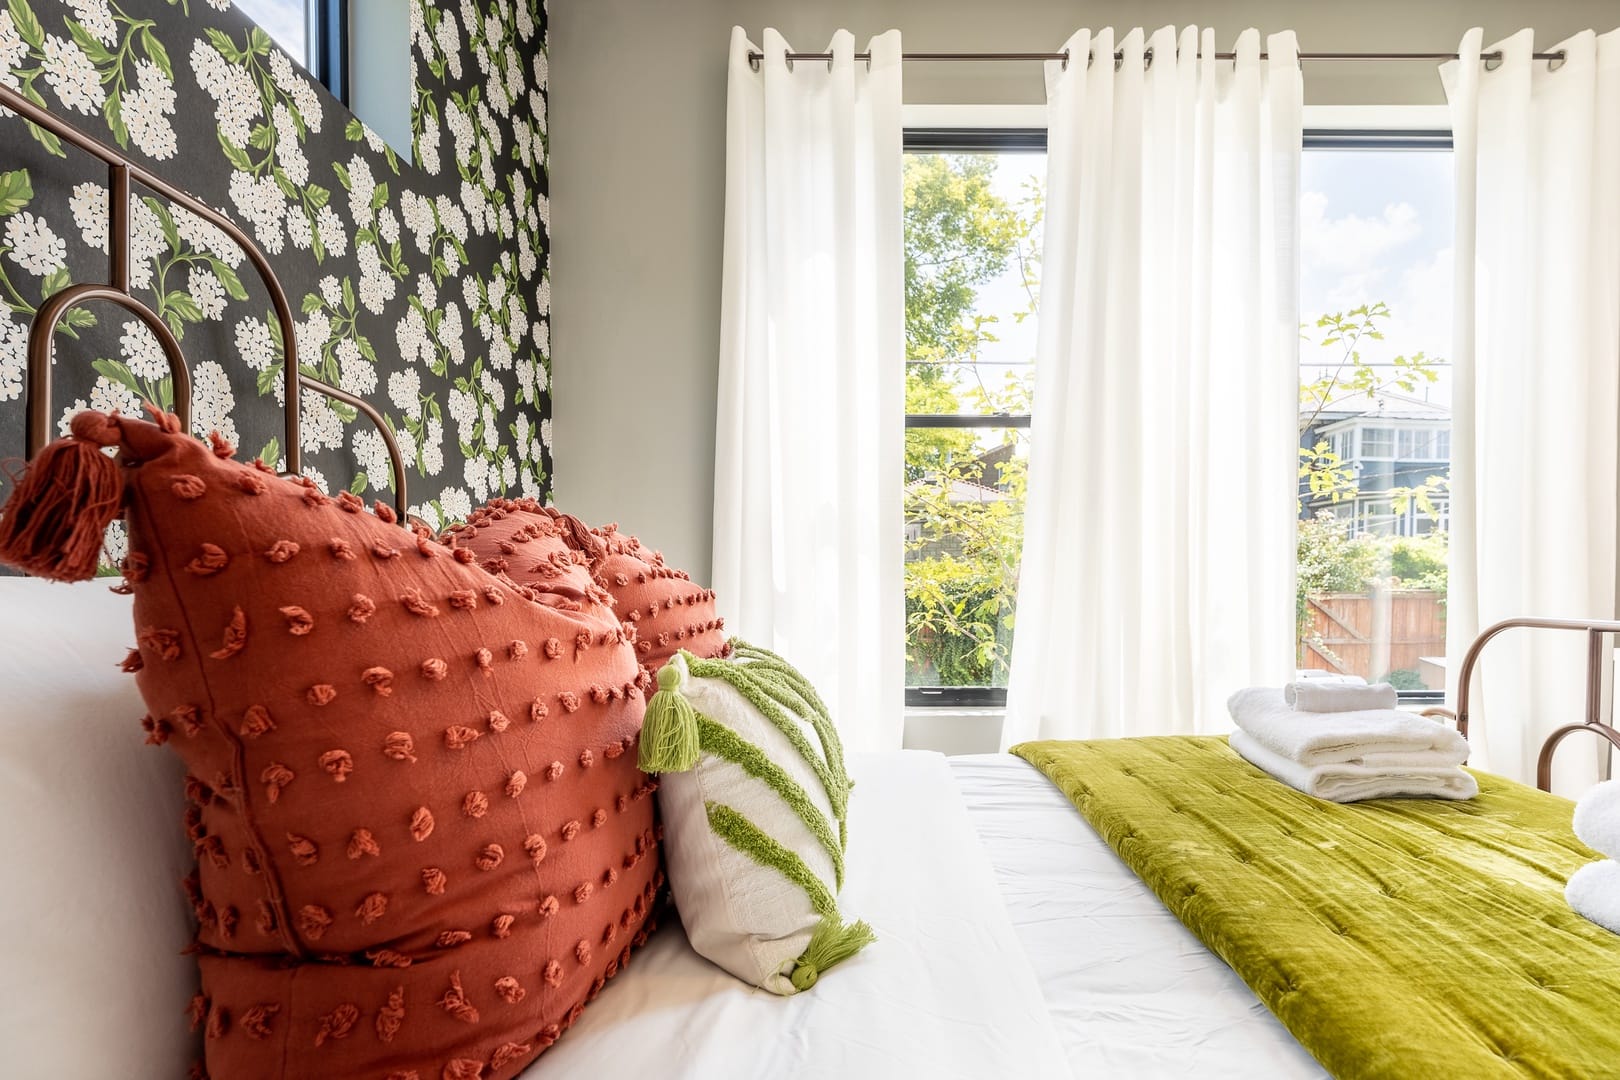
<point x="1374" y="633"/>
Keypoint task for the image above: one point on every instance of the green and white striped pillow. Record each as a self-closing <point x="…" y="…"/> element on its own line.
<point x="752" y="796"/>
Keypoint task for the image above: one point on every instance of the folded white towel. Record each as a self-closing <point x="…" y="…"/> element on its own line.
<point x="1330" y="695"/>
<point x="1597" y="818"/>
<point x="1344" y="782"/>
<point x="1328" y="738"/>
<point x="1594" y="892"/>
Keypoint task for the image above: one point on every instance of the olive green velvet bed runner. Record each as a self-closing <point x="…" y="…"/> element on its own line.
<point x="1394" y="938"/>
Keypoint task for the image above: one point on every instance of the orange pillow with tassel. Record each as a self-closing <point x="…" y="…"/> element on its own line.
<point x="662" y="606"/>
<point x="423" y="842"/>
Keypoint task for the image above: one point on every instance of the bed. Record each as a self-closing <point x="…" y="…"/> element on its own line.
<point x="1013" y="940"/>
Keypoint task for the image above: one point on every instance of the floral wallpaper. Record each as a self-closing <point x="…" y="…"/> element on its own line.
<point x="422" y="287"/>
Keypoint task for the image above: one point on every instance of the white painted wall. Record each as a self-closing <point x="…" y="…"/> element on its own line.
<point x="637" y="122"/>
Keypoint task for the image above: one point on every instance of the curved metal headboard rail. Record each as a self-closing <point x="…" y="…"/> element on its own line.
<point x="1595" y="630"/>
<point x="41" y="333"/>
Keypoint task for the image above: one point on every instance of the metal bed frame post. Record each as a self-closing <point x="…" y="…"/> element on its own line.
<point x="121" y="172"/>
<point x="1596" y="630"/>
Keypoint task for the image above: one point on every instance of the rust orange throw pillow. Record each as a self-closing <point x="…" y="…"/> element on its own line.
<point x="662" y="605"/>
<point x="423" y="842"/>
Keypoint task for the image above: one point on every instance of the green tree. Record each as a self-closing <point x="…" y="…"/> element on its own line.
<point x="962" y="553"/>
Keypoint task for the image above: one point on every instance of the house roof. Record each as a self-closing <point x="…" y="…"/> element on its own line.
<point x="1386" y="406"/>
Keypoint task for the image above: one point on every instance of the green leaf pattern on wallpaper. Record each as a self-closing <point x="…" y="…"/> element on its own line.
<point x="423" y="288"/>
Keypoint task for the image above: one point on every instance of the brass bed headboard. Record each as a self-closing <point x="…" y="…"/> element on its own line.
<point x="1596" y="630"/>
<point x="121" y="173"/>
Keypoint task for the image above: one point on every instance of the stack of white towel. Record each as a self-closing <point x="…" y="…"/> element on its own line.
<point x="1594" y="889"/>
<point x="1342" y="740"/>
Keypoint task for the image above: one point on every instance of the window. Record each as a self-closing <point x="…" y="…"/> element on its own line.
<point x="1377" y="443"/>
<point x="972" y="245"/>
<point x="313" y="32"/>
<point x="1375" y="406"/>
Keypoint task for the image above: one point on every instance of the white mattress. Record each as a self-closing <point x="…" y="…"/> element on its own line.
<point x="945" y="991"/>
<point x="1132" y="992"/>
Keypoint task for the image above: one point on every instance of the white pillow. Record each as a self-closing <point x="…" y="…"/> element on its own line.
<point x="752" y="797"/>
<point x="92" y="919"/>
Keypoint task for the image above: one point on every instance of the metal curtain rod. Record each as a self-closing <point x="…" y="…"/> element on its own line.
<point x="1491" y="57"/>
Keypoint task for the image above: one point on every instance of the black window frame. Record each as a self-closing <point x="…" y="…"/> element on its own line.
<point x="967" y="140"/>
<point x="328" y="31"/>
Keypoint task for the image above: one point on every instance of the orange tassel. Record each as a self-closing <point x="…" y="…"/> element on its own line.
<point x="53" y="523"/>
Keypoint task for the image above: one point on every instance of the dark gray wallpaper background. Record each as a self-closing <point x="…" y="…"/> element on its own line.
<point x="422" y="287"/>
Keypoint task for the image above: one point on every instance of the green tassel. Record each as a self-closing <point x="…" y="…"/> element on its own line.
<point x="669" y="731"/>
<point x="830" y="945"/>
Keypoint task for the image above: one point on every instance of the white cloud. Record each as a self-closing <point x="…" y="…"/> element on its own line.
<point x="1352" y="243"/>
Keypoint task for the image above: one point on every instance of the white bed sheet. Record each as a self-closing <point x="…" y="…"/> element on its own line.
<point x="945" y="991"/>
<point x="1132" y="992"/>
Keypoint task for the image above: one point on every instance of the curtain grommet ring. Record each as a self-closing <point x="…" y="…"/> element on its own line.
<point x="1091" y="58"/>
<point x="1065" y="66"/>
<point x="789" y="61"/>
<point x="1492" y="61"/>
<point x="1147" y="59"/>
<point x="1559" y="60"/>
<point x="753" y="63"/>
<point x="1119" y="59"/>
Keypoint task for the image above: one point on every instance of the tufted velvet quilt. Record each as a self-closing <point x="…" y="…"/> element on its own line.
<point x="1398" y="938"/>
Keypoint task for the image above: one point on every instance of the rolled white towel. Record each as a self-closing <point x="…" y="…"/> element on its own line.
<point x="1344" y="782"/>
<point x="1594" y="892"/>
<point x="1597" y="818"/>
<point x="1329" y="696"/>
<point x="1347" y="737"/>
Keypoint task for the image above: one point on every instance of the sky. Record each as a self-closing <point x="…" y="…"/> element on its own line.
<point x="1374" y="225"/>
<point x="283" y="20"/>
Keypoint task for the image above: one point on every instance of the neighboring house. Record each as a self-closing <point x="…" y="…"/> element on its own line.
<point x="961" y="491"/>
<point x="1397" y="442"/>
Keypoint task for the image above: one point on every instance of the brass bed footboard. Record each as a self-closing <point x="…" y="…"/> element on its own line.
<point x="122" y="173"/>
<point x="1596" y="630"/>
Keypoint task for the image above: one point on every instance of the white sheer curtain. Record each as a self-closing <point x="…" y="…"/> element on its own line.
<point x="1536" y="406"/>
<point x="1158" y="563"/>
<point x="808" y="533"/>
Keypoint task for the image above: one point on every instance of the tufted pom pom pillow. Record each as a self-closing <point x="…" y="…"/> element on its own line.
<point x="662" y="605"/>
<point x="753" y="797"/>
<point x="422" y="839"/>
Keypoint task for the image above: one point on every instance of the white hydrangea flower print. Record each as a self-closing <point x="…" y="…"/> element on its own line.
<point x="96" y="19"/>
<point x="74" y="78"/>
<point x="115" y="545"/>
<point x="334" y="235"/>
<point x="545" y="433"/>
<point x="331" y="291"/>
<point x="475" y="474"/>
<point x="357" y="375"/>
<point x="260" y="201"/>
<point x="146" y="112"/>
<point x="212" y="401"/>
<point x="12" y="50"/>
<point x="108" y="395"/>
<point x="316" y="475"/>
<point x="289" y="154"/>
<point x="207" y="291"/>
<point x="371" y="455"/>
<point x="236" y="100"/>
<point x="322" y="428"/>
<point x="449" y="40"/>
<point x="254" y="344"/>
<point x="457" y="506"/>
<point x="13" y="359"/>
<point x="404" y="390"/>
<point x="141" y="353"/>
<point x="146" y="243"/>
<point x="206" y="236"/>
<point x="34" y="246"/>
<point x="433" y="447"/>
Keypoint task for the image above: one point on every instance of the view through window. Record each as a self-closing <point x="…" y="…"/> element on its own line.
<point x="286" y="21"/>
<point x="972" y="248"/>
<point x="1375" y="413"/>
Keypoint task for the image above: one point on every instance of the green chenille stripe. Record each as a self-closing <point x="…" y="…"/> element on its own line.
<point x="790" y="679"/>
<point x="736" y="676"/>
<point x="722" y="742"/>
<point x="747" y="838"/>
